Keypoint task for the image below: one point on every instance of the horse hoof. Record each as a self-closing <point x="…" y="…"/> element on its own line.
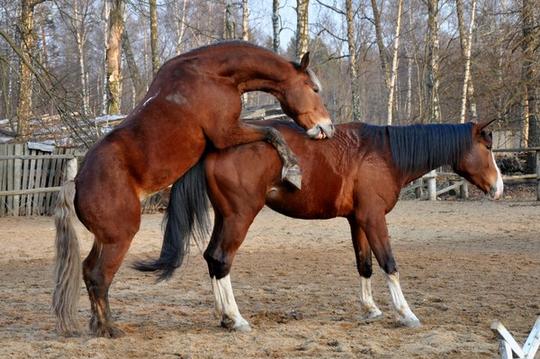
<point x="409" y="322"/>
<point x="371" y="316"/>
<point x="240" y="326"/>
<point x="109" y="331"/>
<point x="243" y="327"/>
<point x="293" y="175"/>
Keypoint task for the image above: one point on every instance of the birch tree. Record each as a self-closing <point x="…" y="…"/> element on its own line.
<point x="465" y="38"/>
<point x="245" y="20"/>
<point x="76" y="19"/>
<point x="393" y="70"/>
<point x="28" y="44"/>
<point x="432" y="73"/>
<point x="302" y="27"/>
<point x="276" y="28"/>
<point x="113" y="56"/>
<point x="383" y="56"/>
<point x="154" y="36"/>
<point x="179" y="23"/>
<point x="530" y="44"/>
<point x="351" y="44"/>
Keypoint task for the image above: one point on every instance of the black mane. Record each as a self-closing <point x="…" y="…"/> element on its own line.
<point x="422" y="147"/>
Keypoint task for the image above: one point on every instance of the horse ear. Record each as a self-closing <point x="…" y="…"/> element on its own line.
<point x="304" y="63"/>
<point x="484" y="124"/>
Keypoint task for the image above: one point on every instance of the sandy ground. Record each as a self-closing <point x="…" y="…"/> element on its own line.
<point x="463" y="264"/>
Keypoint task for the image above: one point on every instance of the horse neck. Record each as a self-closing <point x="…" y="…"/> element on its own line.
<point x="255" y="69"/>
<point x="420" y="149"/>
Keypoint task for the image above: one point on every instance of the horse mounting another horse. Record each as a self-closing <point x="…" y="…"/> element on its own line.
<point x="358" y="174"/>
<point x="192" y="104"/>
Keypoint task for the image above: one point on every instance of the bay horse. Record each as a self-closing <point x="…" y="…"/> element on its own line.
<point x="192" y="104"/>
<point x="358" y="175"/>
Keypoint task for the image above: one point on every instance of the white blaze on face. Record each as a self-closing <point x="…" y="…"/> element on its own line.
<point x="499" y="185"/>
<point x="405" y="314"/>
<point x="226" y="307"/>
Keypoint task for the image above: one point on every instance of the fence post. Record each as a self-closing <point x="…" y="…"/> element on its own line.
<point x="419" y="191"/>
<point x="464" y="190"/>
<point x="432" y="185"/>
<point x="17" y="178"/>
<point x="71" y="169"/>
<point x="537" y="153"/>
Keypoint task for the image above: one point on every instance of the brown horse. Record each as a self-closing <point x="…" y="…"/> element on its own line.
<point x="193" y="102"/>
<point x="358" y="175"/>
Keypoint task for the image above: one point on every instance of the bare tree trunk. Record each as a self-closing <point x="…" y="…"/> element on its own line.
<point x="134" y="72"/>
<point x="105" y="14"/>
<point x="351" y="42"/>
<point x="393" y="73"/>
<point x="79" y="31"/>
<point x="245" y="20"/>
<point x="113" y="56"/>
<point x="408" y="53"/>
<point x="529" y="75"/>
<point x="229" y="27"/>
<point x="302" y="28"/>
<point x="466" y="48"/>
<point x="154" y="36"/>
<point x="276" y="28"/>
<point x="179" y="24"/>
<point x="432" y="75"/>
<point x="380" y="43"/>
<point x="28" y="43"/>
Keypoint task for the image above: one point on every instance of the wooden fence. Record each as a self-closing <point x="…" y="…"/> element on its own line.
<point x="30" y="179"/>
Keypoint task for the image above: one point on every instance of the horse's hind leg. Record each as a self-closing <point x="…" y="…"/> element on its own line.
<point x="362" y="252"/>
<point x="113" y="235"/>
<point x="227" y="237"/>
<point x="374" y="225"/>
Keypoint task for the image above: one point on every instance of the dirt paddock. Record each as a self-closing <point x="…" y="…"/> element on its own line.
<point x="462" y="264"/>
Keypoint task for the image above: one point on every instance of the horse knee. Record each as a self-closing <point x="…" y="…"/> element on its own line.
<point x="365" y="269"/>
<point x="389" y="265"/>
<point x="218" y="265"/>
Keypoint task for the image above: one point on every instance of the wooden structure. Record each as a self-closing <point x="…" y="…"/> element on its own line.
<point x="509" y="348"/>
<point x="30" y="178"/>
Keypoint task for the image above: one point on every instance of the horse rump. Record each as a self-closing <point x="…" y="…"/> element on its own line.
<point x="186" y="217"/>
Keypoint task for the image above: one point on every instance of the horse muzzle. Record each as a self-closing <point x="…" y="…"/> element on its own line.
<point x="321" y="131"/>
<point x="497" y="189"/>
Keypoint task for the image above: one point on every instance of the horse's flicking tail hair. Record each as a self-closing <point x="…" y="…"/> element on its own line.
<point x="67" y="269"/>
<point x="186" y="217"/>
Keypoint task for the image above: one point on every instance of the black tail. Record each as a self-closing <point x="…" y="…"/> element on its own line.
<point x="186" y="217"/>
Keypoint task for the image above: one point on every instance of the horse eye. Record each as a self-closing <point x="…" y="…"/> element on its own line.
<point x="316" y="89"/>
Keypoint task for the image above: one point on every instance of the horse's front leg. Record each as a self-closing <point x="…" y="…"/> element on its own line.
<point x="227" y="236"/>
<point x="243" y="133"/>
<point x="362" y="252"/>
<point x="374" y="224"/>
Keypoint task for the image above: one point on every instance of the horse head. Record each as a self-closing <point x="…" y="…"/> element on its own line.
<point x="300" y="98"/>
<point x="478" y="166"/>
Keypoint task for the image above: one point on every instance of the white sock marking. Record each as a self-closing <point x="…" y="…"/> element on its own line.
<point x="398" y="299"/>
<point x="226" y="307"/>
<point x="366" y="298"/>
